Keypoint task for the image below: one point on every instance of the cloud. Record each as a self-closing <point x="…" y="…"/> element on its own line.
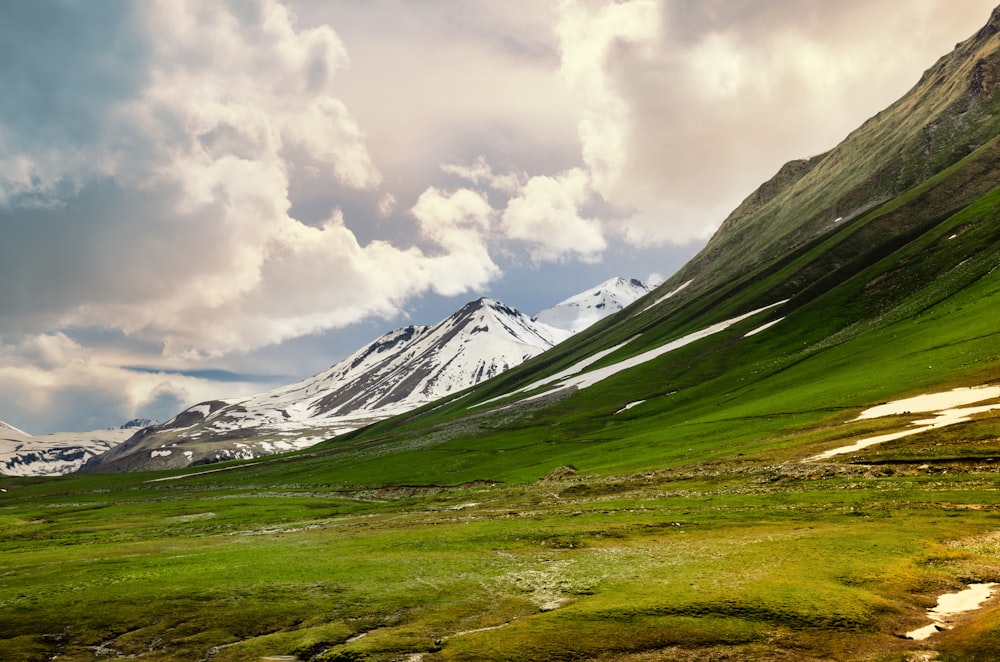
<point x="546" y="215"/>
<point x="49" y="383"/>
<point x="190" y="198"/>
<point x="480" y="173"/>
<point x="543" y="211"/>
<point x="387" y="204"/>
<point x="588" y="38"/>
<point x="212" y="374"/>
<point x="154" y="199"/>
<point x="725" y="93"/>
<point x="460" y="223"/>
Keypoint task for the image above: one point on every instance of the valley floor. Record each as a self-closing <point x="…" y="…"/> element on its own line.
<point x="733" y="560"/>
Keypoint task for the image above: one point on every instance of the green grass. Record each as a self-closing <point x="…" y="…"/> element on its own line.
<point x="706" y="556"/>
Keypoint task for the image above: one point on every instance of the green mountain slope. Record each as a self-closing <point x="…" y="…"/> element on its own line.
<point x="949" y="113"/>
<point x="652" y="489"/>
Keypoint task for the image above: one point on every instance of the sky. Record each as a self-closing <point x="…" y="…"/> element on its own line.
<point x="207" y="199"/>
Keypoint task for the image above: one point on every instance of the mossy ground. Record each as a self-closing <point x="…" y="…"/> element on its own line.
<point x="785" y="560"/>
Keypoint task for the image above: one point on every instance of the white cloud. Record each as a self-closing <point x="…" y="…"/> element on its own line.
<point x="49" y="350"/>
<point x="331" y="135"/>
<point x="52" y="383"/>
<point x="544" y="211"/>
<point x="480" y="173"/>
<point x="588" y="39"/>
<point x="215" y="262"/>
<point x="460" y="223"/>
<point x="546" y="214"/>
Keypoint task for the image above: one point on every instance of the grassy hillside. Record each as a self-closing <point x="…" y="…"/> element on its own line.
<point x="672" y="511"/>
<point x="948" y="114"/>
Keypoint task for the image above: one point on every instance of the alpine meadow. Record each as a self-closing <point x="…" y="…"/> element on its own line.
<point x="789" y="450"/>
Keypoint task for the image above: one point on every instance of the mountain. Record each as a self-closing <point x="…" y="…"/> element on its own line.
<point x="788" y="451"/>
<point x="400" y="371"/>
<point x="582" y="310"/>
<point x="7" y="429"/>
<point x="22" y="454"/>
<point x="138" y="423"/>
<point x="952" y="111"/>
<point x="849" y="278"/>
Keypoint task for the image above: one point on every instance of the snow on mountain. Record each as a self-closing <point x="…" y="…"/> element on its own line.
<point x="7" y="429"/>
<point x="138" y="423"/>
<point x="403" y="369"/>
<point x="22" y="454"/>
<point x="397" y="372"/>
<point x="582" y="310"/>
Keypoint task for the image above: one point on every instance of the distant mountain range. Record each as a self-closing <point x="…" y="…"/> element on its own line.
<point x="400" y="371"/>
<point x="22" y="454"/>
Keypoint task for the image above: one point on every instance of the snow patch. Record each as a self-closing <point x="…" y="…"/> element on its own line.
<point x="7" y="428"/>
<point x="763" y="327"/>
<point x="587" y="308"/>
<point x="203" y="409"/>
<point x="945" y="407"/>
<point x="668" y="295"/>
<point x="932" y="402"/>
<point x="53" y="454"/>
<point x="570" y="378"/>
<point x="165" y="453"/>
<point x="629" y="406"/>
<point x="951" y="604"/>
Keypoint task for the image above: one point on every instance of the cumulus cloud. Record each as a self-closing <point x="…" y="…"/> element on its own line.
<point x="459" y="223"/>
<point x="544" y="211"/>
<point x="589" y="36"/>
<point x="546" y="215"/>
<point x="167" y="215"/>
<point x="193" y="184"/>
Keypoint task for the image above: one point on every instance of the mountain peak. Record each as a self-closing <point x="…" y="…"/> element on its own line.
<point x="399" y="371"/>
<point x="953" y="110"/>
<point x="582" y="310"/>
<point x="991" y="28"/>
<point x="481" y="303"/>
<point x="7" y="428"/>
<point x="138" y="423"/>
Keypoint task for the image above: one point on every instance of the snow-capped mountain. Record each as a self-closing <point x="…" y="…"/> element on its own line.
<point x="22" y="454"/>
<point x="399" y="371"/>
<point x="416" y="365"/>
<point x="138" y="423"/>
<point x="582" y="310"/>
